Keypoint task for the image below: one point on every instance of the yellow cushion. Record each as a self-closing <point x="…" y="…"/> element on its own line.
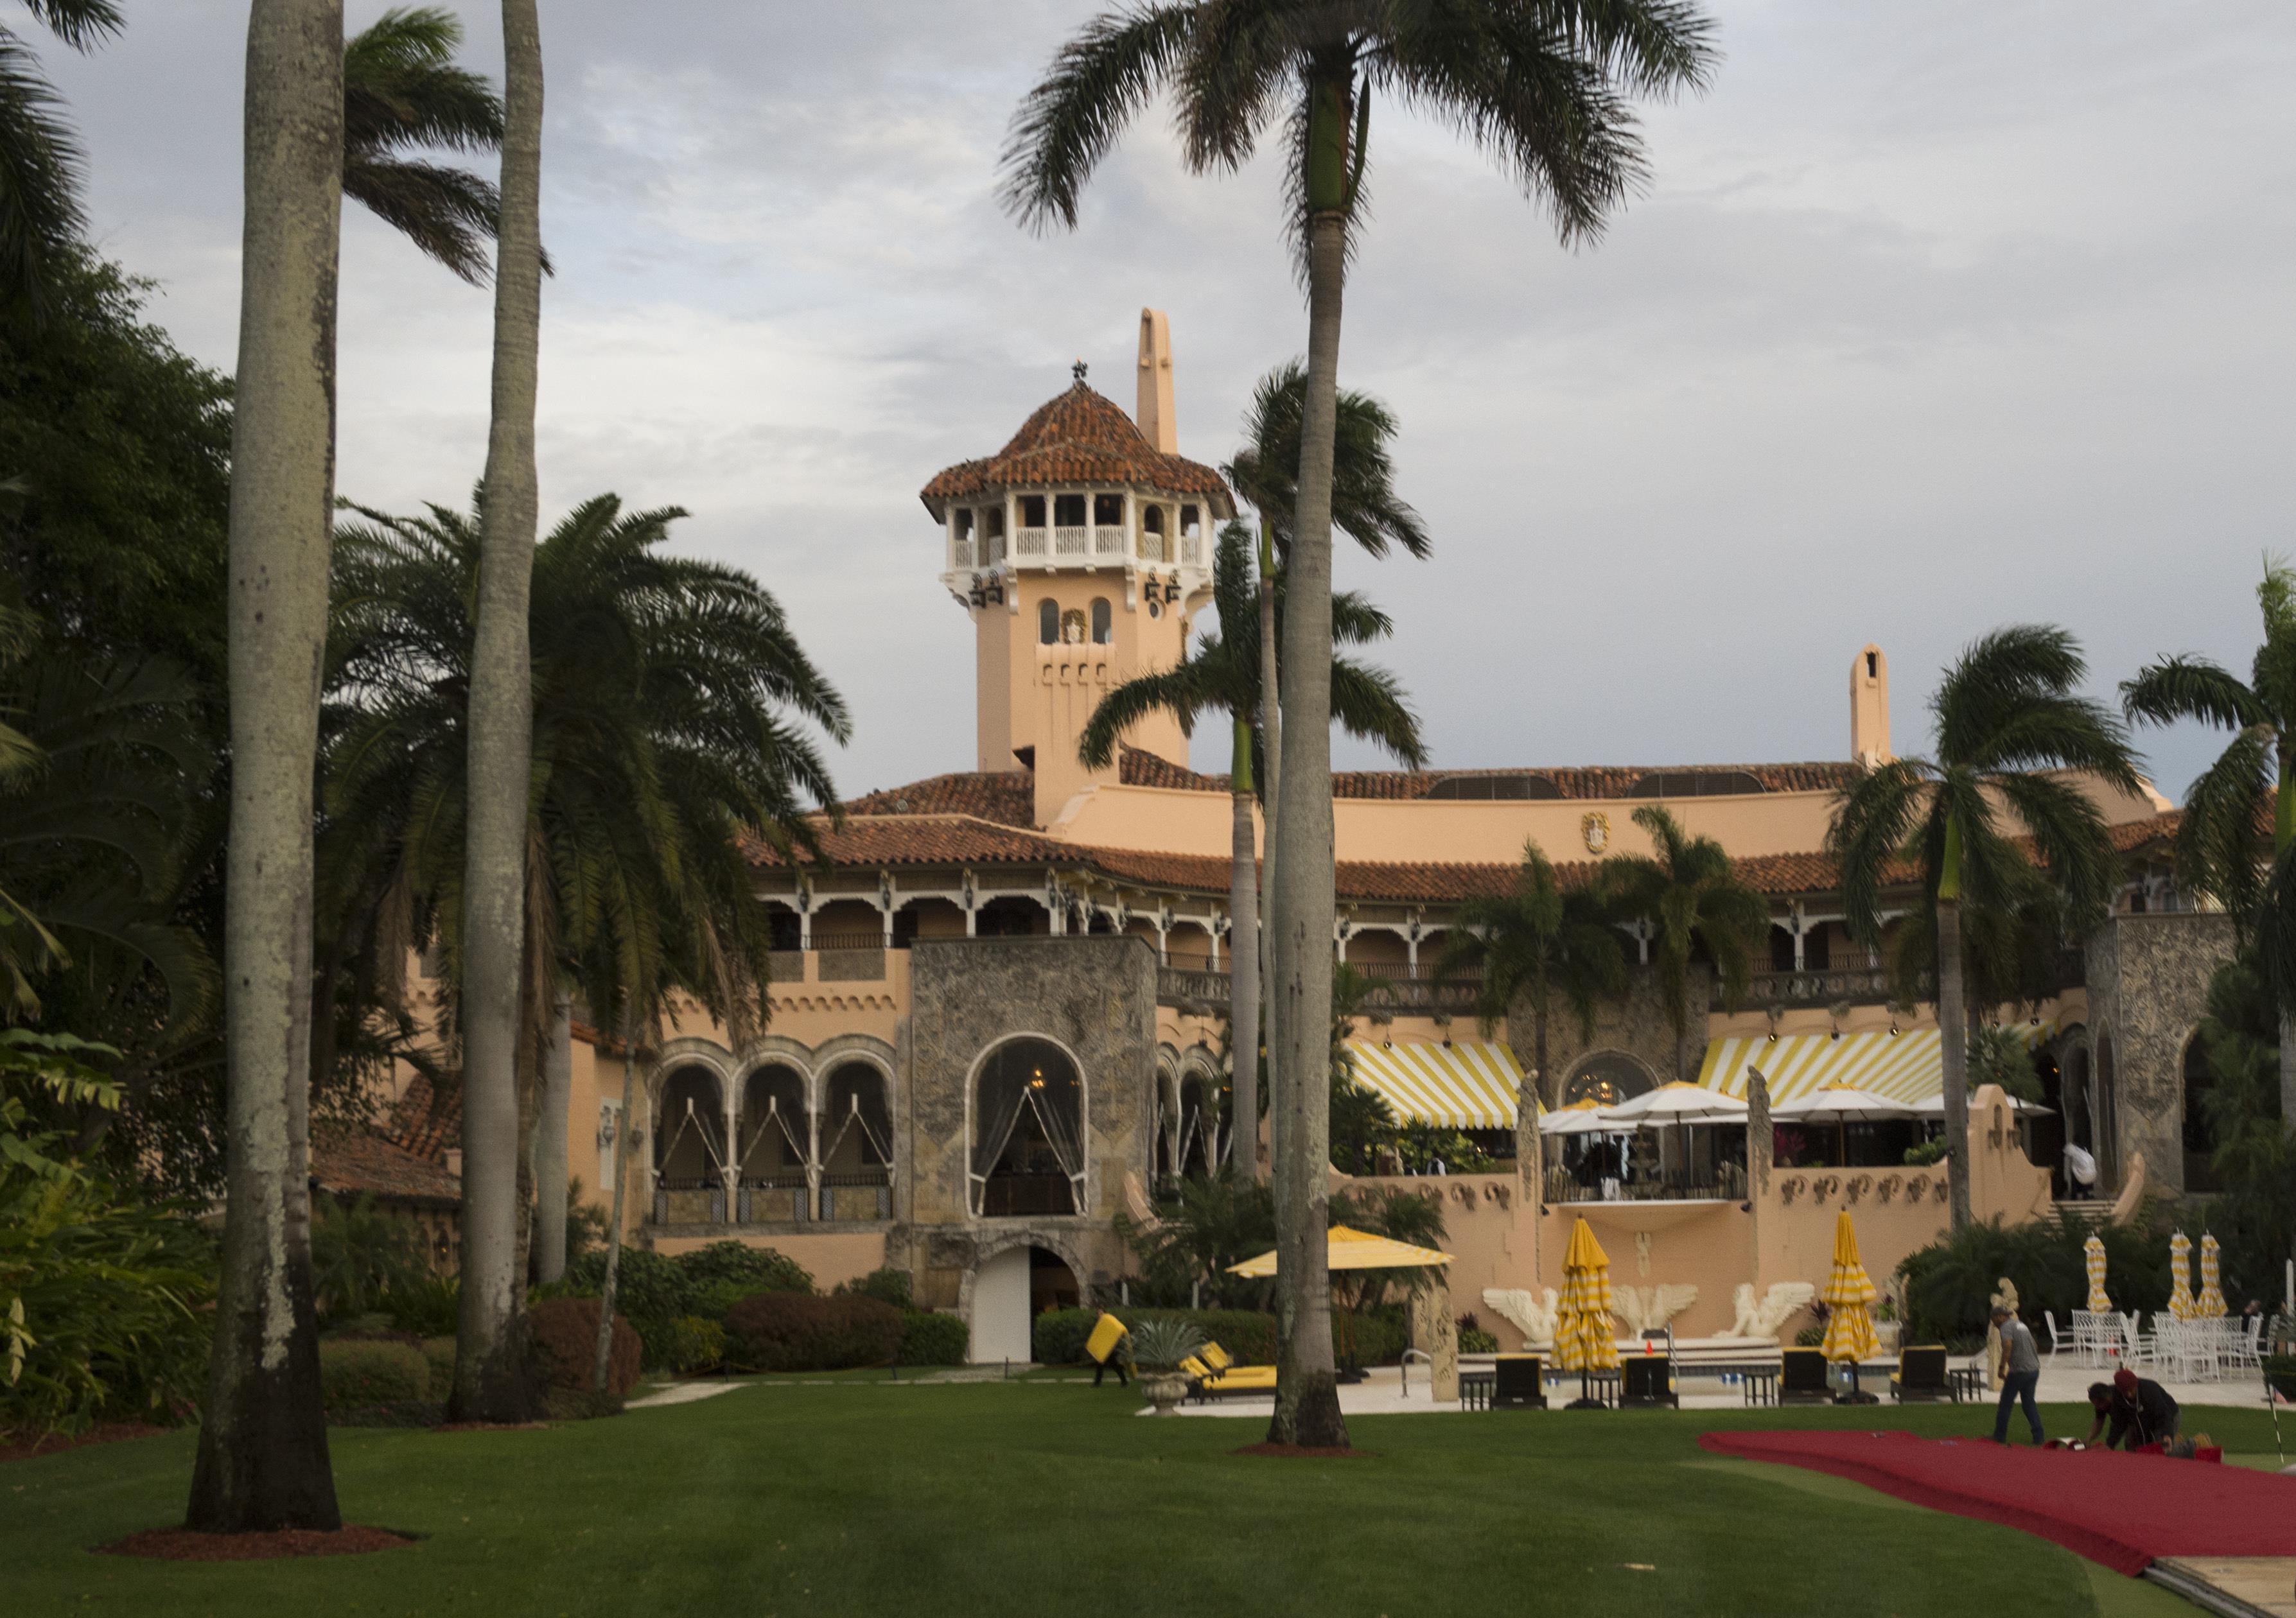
<point x="1107" y="1332"/>
<point x="1242" y="1377"/>
<point x="1217" y="1357"/>
<point x="1195" y="1367"/>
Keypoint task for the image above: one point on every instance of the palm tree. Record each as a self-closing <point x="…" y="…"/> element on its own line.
<point x="1364" y="506"/>
<point x="262" y="1461"/>
<point x="1690" y="898"/>
<point x="1537" y="942"/>
<point x="2245" y="791"/>
<point x="669" y="697"/>
<point x="401" y="92"/>
<point x="490" y="1379"/>
<point x="1542" y="88"/>
<point x="2007" y="720"/>
<point x="40" y="216"/>
<point x="1222" y="674"/>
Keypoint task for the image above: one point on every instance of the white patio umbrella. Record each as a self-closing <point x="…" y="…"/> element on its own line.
<point x="1840" y="1104"/>
<point x="1678" y="1103"/>
<point x="1578" y="1118"/>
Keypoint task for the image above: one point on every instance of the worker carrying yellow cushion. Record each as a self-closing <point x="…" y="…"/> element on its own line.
<point x="1107" y="1333"/>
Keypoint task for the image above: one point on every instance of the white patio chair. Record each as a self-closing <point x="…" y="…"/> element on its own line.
<point x="2136" y="1348"/>
<point x="2056" y="1338"/>
<point x="2095" y="1336"/>
<point x="2248" y="1346"/>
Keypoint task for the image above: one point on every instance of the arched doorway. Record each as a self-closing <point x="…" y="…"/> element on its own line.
<point x="2200" y="1131"/>
<point x="1609" y="1077"/>
<point x="776" y="1134"/>
<point x="857" y="1144"/>
<point x="1009" y="1290"/>
<point x="1028" y="1132"/>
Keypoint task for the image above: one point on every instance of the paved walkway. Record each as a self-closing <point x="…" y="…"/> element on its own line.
<point x="683" y="1392"/>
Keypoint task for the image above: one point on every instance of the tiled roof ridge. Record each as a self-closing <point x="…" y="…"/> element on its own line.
<point x="1078" y="436"/>
<point x="1142" y="769"/>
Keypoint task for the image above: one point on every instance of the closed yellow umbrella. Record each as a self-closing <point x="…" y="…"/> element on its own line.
<point x="2093" y="1250"/>
<point x="2212" y="1304"/>
<point x="1583" y="1338"/>
<point x="2180" y="1275"/>
<point x="1849" y="1327"/>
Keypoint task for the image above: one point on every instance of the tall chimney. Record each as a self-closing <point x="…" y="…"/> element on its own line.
<point x="1869" y="707"/>
<point x="1154" y="414"/>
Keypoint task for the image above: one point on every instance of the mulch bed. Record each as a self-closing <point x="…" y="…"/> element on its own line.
<point x="1305" y="1453"/>
<point x="490" y="1426"/>
<point x="183" y="1544"/>
<point x="15" y="1446"/>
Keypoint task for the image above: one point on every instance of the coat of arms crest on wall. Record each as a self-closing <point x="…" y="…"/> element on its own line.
<point x="1594" y="828"/>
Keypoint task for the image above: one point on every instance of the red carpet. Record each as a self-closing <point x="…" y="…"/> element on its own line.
<point x="2122" y="1510"/>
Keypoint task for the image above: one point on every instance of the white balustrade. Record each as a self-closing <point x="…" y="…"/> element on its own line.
<point x="1108" y="540"/>
<point x="1069" y="541"/>
<point x="960" y="552"/>
<point x="1029" y="541"/>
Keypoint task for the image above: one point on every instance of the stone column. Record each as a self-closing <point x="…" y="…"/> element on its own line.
<point x="1759" y="1146"/>
<point x="1435" y="1333"/>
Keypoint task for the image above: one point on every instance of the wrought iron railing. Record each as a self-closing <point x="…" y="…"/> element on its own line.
<point x="684" y="1201"/>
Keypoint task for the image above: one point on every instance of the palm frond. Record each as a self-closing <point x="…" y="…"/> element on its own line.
<point x="1098" y="83"/>
<point x="2190" y="687"/>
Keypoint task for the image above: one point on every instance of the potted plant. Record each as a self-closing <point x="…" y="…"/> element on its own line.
<point x="1885" y="1324"/>
<point x="1157" y="1348"/>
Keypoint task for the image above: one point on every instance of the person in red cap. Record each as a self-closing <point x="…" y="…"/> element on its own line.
<point x="2138" y="1407"/>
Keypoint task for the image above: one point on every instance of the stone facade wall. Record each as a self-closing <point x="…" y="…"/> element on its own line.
<point x="2148" y="988"/>
<point x="1096" y="997"/>
<point x="1637" y="1025"/>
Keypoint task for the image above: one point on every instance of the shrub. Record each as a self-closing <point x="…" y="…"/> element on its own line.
<point x="438" y="1353"/>
<point x="651" y="1292"/>
<point x="727" y="1260"/>
<point x="1949" y="1285"/>
<point x="359" y="1255"/>
<point x="696" y="1345"/>
<point x="1924" y="1153"/>
<point x="711" y="1302"/>
<point x="1810" y="1336"/>
<point x="886" y="1286"/>
<point x="427" y="1306"/>
<point x="928" y="1339"/>
<point x="358" y="1374"/>
<point x="790" y="1331"/>
<point x="564" y="1332"/>
<point x="1474" y="1339"/>
<point x="1373" y="1336"/>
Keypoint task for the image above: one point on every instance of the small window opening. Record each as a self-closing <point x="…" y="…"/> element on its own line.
<point x="992" y="521"/>
<point x="1068" y="511"/>
<point x="1108" y="510"/>
<point x="1048" y="623"/>
<point x="1101" y="624"/>
<point x="1190" y="523"/>
<point x="1872" y="666"/>
<point x="1152" y="518"/>
<point x="964" y="522"/>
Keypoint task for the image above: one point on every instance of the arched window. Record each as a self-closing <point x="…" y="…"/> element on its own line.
<point x="1609" y="1077"/>
<point x="857" y="1144"/>
<point x="1203" y="1124"/>
<point x="1101" y="625"/>
<point x="1048" y="623"/>
<point x="1028" y="1132"/>
<point x="776" y="1141"/>
<point x="689" y="1149"/>
<point x="2199" y="1131"/>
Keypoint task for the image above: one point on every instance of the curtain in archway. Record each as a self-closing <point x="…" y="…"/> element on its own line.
<point x="1031" y="1078"/>
<point x="856" y="1105"/>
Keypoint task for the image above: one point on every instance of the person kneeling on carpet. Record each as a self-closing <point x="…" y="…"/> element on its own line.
<point x="2021" y="1374"/>
<point x="2138" y="1407"/>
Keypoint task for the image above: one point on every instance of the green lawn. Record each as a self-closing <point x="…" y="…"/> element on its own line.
<point x="1004" y="1498"/>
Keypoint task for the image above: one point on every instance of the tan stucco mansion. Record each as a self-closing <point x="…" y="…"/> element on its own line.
<point x="997" y="1011"/>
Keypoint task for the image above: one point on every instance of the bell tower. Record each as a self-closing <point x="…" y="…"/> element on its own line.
<point x="1080" y="549"/>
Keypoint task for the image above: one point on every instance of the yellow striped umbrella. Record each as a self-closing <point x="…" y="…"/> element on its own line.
<point x="2212" y="1304"/>
<point x="1849" y="1328"/>
<point x="2093" y="1250"/>
<point x="2180" y="1273"/>
<point x="1583" y="1337"/>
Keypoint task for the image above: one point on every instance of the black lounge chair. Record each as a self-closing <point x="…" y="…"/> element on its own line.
<point x="1801" y="1377"/>
<point x="1922" y="1375"/>
<point x="1647" y="1382"/>
<point x="1519" y="1381"/>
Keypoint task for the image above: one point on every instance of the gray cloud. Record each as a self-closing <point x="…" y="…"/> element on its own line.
<point x="1922" y="328"/>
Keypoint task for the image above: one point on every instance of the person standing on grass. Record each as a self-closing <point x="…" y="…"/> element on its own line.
<point x="2021" y="1374"/>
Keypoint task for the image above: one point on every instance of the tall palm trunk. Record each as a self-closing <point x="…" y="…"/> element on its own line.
<point x="262" y="1461"/>
<point x="550" y="1169"/>
<point x="1307" y="1395"/>
<point x="624" y="1138"/>
<point x="1271" y="738"/>
<point x="1244" y="966"/>
<point x="1953" y="1036"/>
<point x="490" y="1379"/>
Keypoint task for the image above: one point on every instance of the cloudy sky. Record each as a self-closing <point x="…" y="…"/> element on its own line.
<point x="1921" y="327"/>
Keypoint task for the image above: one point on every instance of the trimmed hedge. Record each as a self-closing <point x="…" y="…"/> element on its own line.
<point x="438" y="1352"/>
<point x="357" y="1375"/>
<point x="933" y="1339"/>
<point x="696" y="1345"/>
<point x="731" y="1261"/>
<point x="564" y="1332"/>
<point x="790" y="1331"/>
<point x="1378" y="1336"/>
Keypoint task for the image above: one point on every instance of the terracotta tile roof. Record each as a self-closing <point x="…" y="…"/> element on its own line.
<point x="1078" y="436"/>
<point x="1008" y="797"/>
<point x="425" y="1123"/>
<point x="932" y="839"/>
<point x="2132" y="835"/>
<point x="350" y="1163"/>
<point x="1608" y="783"/>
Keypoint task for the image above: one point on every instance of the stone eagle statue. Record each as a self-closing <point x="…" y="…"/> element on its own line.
<point x="1650" y="1308"/>
<point x="1764" y="1321"/>
<point x="1530" y="1313"/>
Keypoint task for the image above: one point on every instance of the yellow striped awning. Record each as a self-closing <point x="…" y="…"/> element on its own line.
<point x="1907" y="1066"/>
<point x="1465" y="1085"/>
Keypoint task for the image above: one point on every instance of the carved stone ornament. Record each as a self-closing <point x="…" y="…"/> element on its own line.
<point x="1594" y="831"/>
<point x="1859" y="1184"/>
<point x="1887" y="1191"/>
<point x="1823" y="1187"/>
